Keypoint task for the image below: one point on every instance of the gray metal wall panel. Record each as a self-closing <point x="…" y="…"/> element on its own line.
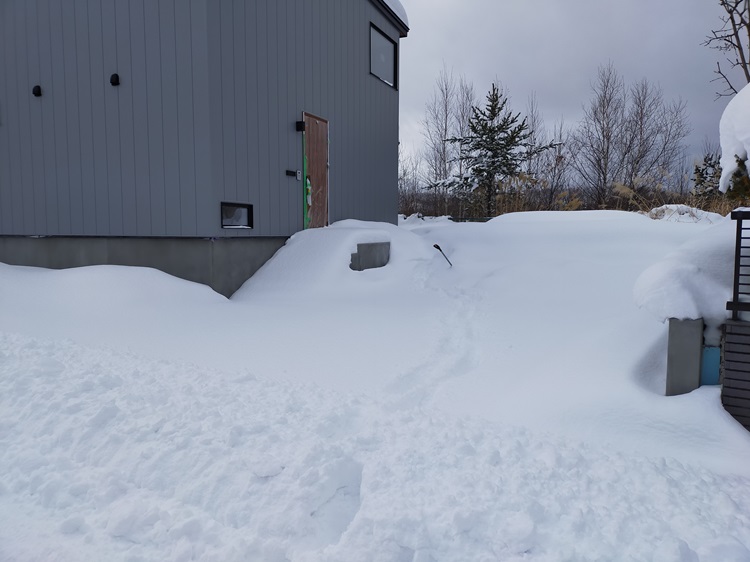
<point x="335" y="98"/>
<point x="213" y="25"/>
<point x="285" y="120"/>
<point x="344" y="194"/>
<point x="240" y="190"/>
<point x="33" y="135"/>
<point x="288" y="152"/>
<point x="99" y="119"/>
<point x="6" y="155"/>
<point x="155" y="115"/>
<point x="250" y="190"/>
<point x="137" y="79"/>
<point x="204" y="190"/>
<point x="72" y="123"/>
<point x="124" y="127"/>
<point x="278" y="82"/>
<point x="111" y="119"/>
<point x="56" y="188"/>
<point x="185" y="121"/>
<point x="42" y="131"/>
<point x="314" y="29"/>
<point x="228" y="76"/>
<point x="205" y="113"/>
<point x="297" y="218"/>
<point x="262" y="212"/>
<point x="168" y="40"/>
<point x="84" y="99"/>
<point x="273" y="168"/>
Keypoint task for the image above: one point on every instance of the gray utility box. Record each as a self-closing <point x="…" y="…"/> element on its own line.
<point x="370" y="255"/>
<point x="684" y="356"/>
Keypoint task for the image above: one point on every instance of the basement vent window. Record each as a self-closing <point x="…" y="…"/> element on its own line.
<point x="236" y="215"/>
<point x="382" y="56"/>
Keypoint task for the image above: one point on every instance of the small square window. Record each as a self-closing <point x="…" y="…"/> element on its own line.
<point x="236" y="215"/>
<point x="382" y="56"/>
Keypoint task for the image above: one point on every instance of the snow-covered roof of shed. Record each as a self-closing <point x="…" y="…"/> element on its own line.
<point x="398" y="8"/>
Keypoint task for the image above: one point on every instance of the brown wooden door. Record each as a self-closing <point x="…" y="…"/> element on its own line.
<point x="316" y="171"/>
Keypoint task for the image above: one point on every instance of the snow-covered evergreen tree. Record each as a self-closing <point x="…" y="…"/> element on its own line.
<point x="706" y="175"/>
<point x="496" y="147"/>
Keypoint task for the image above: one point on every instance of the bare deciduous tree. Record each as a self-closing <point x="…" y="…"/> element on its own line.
<point x="546" y="173"/>
<point x="463" y="110"/>
<point x="447" y="116"/>
<point x="555" y="172"/>
<point x="628" y="138"/>
<point x="438" y="153"/>
<point x="597" y="143"/>
<point x="654" y="135"/>
<point x="409" y="186"/>
<point x="733" y="39"/>
<point x="537" y="137"/>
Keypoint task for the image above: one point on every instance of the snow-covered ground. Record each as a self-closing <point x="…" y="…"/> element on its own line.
<point x="507" y="408"/>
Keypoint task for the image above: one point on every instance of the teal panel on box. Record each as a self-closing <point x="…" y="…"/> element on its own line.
<point x="710" y="365"/>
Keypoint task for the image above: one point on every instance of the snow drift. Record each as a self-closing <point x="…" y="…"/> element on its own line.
<point x="506" y="408"/>
<point x="695" y="281"/>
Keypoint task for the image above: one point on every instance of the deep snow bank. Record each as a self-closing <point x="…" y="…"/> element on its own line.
<point x="683" y="213"/>
<point x="695" y="281"/>
<point x="316" y="261"/>
<point x="503" y="408"/>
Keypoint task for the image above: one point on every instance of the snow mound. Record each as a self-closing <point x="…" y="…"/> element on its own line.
<point x="111" y="286"/>
<point x="417" y="220"/>
<point x="684" y="213"/>
<point x="108" y="294"/>
<point x="317" y="260"/>
<point x="695" y="281"/>
<point x="565" y="216"/>
<point x="734" y="131"/>
<point x="493" y="410"/>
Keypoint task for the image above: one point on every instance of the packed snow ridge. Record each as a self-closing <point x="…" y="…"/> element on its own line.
<point x="507" y="408"/>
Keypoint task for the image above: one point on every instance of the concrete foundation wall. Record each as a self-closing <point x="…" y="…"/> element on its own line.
<point x="223" y="264"/>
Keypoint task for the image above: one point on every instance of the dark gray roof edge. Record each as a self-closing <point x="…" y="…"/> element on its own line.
<point x="403" y="29"/>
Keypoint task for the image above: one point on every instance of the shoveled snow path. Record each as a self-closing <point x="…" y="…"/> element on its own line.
<point x="137" y="459"/>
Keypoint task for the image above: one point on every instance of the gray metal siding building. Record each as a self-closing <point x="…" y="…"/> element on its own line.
<point x="203" y="111"/>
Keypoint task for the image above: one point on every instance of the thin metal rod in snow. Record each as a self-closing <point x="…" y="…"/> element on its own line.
<point x="439" y="249"/>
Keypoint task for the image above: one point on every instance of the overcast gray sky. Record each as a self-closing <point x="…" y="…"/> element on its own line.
<point x="554" y="47"/>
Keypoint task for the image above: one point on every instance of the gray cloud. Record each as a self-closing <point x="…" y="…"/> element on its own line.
<point x="554" y="47"/>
